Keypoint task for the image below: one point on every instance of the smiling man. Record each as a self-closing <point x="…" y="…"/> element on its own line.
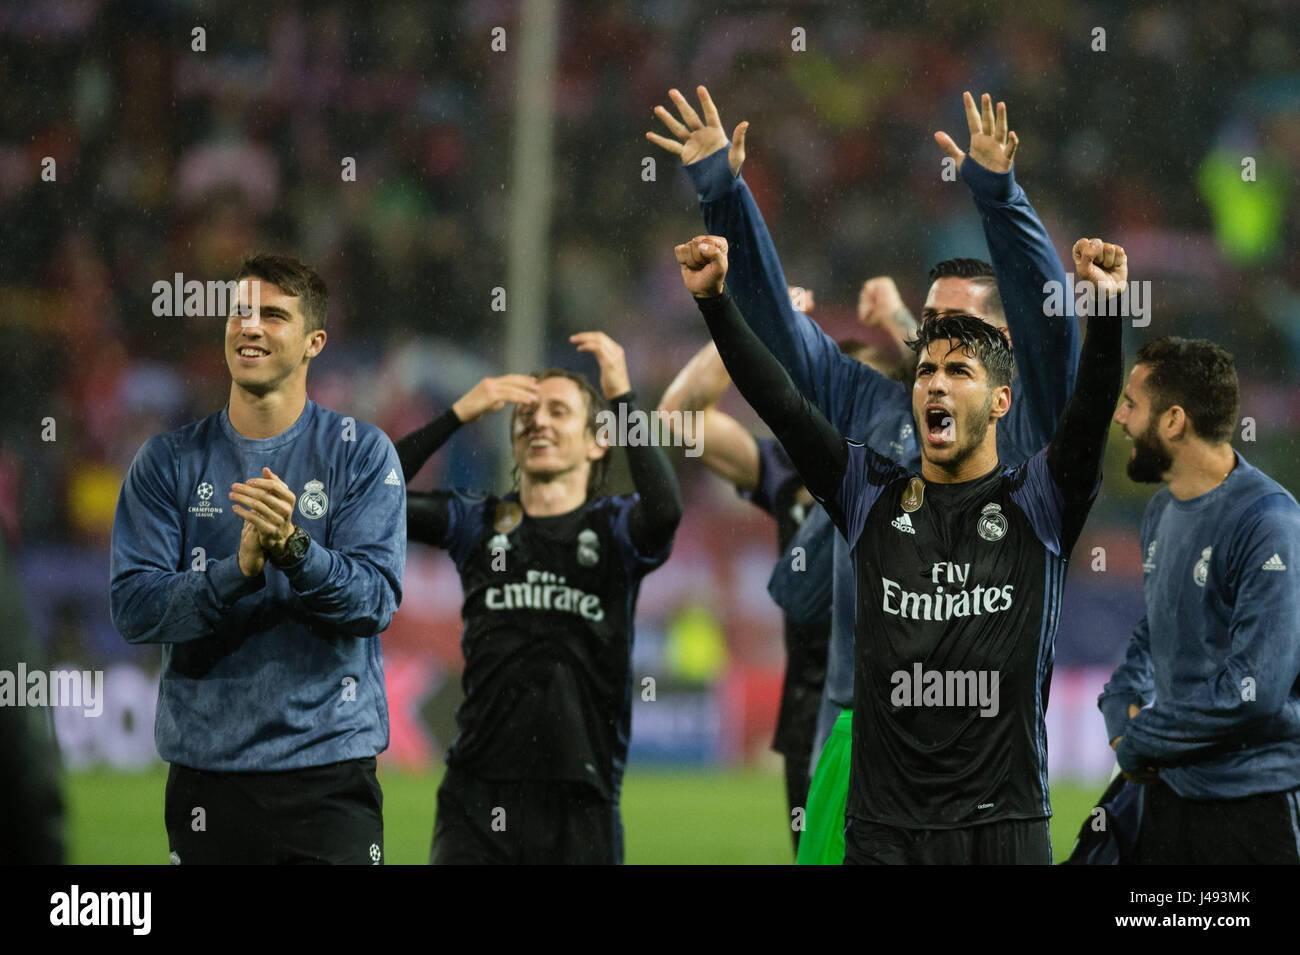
<point x="550" y="574"/>
<point x="1218" y="648"/>
<point x="267" y="600"/>
<point x="959" y="573"/>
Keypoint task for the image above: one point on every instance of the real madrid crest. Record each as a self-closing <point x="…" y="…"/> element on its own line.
<point x="1201" y="572"/>
<point x="313" y="501"/>
<point x="507" y="517"/>
<point x="588" y="548"/>
<point x="913" y="494"/>
<point x="992" y="525"/>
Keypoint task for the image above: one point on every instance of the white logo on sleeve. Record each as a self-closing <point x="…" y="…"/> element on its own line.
<point x="903" y="523"/>
<point x="1274" y="563"/>
<point x="392" y="477"/>
<point x="313" y="502"/>
<point x="1201" y="572"/>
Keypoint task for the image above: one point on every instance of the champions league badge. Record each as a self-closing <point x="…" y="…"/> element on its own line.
<point x="1201" y="572"/>
<point x="992" y="525"/>
<point x="313" y="502"/>
<point x="588" y="548"/>
<point x="913" y="495"/>
<point x="507" y="517"/>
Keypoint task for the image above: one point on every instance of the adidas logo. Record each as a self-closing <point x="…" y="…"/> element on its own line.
<point x="392" y="477"/>
<point x="903" y="523"/>
<point x="1274" y="563"/>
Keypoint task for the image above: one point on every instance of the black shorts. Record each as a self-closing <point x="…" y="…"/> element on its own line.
<point x="523" y="822"/>
<point x="325" y="815"/>
<point x="1258" y="830"/>
<point x="1010" y="842"/>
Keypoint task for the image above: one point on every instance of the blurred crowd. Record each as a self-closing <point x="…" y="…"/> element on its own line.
<point x="171" y="159"/>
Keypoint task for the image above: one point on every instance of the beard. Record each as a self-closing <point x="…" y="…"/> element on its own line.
<point x="1150" y="462"/>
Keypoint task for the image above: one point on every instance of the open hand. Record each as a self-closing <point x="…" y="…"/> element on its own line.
<point x="991" y="144"/>
<point x="695" y="139"/>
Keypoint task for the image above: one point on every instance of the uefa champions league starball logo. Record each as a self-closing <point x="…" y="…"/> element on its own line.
<point x="313" y="502"/>
<point x="205" y="491"/>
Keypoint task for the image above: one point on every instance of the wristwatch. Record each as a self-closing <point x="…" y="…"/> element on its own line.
<point x="295" y="548"/>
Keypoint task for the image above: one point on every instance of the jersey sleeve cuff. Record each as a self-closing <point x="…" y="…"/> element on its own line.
<point x="989" y="185"/>
<point x="712" y="176"/>
<point x="1114" y="711"/>
<point x="229" y="583"/>
<point x="311" y="572"/>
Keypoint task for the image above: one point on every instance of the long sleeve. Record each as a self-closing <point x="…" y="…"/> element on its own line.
<point x="1256" y="678"/>
<point x="846" y="391"/>
<point x="654" y="518"/>
<point x="150" y="600"/>
<point x="815" y="447"/>
<point x="1025" y="261"/>
<point x="1133" y="681"/>
<point x="1074" y="456"/>
<point x="420" y="445"/>
<point x="356" y="586"/>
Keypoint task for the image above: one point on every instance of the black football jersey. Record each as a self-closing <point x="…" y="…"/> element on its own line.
<point x="958" y="598"/>
<point x="548" y="611"/>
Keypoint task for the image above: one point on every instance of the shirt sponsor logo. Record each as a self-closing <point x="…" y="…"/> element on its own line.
<point x="1274" y="563"/>
<point x="541" y="590"/>
<point x="913" y="495"/>
<point x="204" y="507"/>
<point x="1201" y="572"/>
<point x="941" y="605"/>
<point x="992" y="525"/>
<point x="313" y="502"/>
<point x="903" y="523"/>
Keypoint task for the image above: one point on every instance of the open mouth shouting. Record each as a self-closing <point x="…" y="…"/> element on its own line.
<point x="940" y="425"/>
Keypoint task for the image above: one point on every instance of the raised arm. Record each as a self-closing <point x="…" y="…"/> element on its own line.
<point x="817" y="450"/>
<point x="428" y="514"/>
<point x="1074" y="456"/>
<point x="655" y="516"/>
<point x="726" y="447"/>
<point x="846" y="391"/>
<point x="1025" y="261"/>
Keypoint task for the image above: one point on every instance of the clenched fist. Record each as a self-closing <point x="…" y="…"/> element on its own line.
<point x="1102" y="265"/>
<point x="704" y="264"/>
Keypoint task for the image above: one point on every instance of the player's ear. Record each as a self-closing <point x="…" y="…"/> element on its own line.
<point x="1001" y="401"/>
<point x="1173" y="423"/>
<point x="315" y="343"/>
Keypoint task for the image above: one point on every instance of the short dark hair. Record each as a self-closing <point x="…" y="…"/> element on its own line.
<point x="976" y="337"/>
<point x="1198" y="376"/>
<point x="596" y="403"/>
<point x="977" y="271"/>
<point x="293" y="277"/>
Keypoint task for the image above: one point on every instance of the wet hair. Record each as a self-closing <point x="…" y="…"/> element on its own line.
<point x="293" y="277"/>
<point x="596" y="403"/>
<point x="1198" y="376"/>
<point x="976" y="337"/>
